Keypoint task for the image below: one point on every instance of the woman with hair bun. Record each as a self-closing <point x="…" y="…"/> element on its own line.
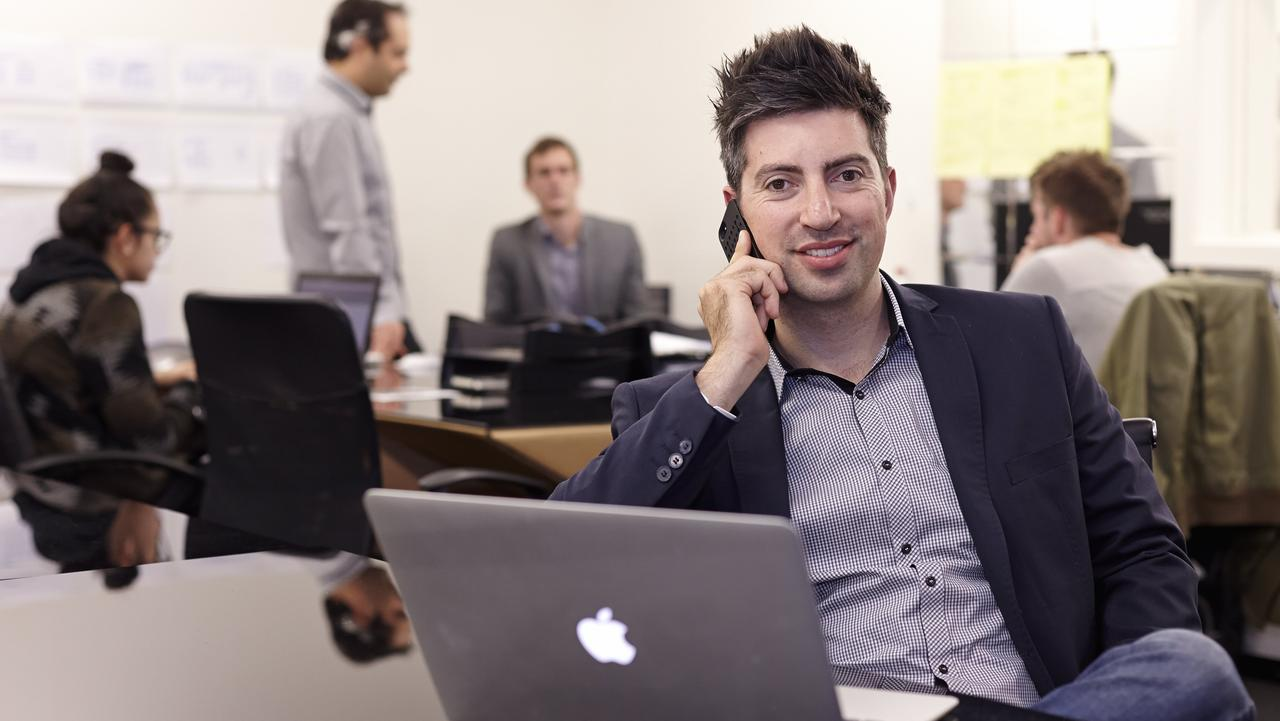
<point x="72" y="340"/>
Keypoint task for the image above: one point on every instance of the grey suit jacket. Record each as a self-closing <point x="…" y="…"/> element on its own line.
<point x="518" y="282"/>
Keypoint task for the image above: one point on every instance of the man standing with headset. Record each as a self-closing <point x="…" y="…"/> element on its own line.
<point x="335" y="198"/>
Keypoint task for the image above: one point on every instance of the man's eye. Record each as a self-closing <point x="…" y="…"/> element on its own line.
<point x="851" y="175"/>
<point x="776" y="184"/>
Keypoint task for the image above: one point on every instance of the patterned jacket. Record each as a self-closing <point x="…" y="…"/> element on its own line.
<point x="72" y="340"/>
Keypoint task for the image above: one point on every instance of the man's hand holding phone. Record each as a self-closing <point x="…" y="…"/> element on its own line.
<point x="736" y="307"/>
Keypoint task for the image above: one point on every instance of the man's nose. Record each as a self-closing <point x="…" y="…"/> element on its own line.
<point x="819" y="213"/>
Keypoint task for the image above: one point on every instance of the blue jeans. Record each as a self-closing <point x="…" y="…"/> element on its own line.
<point x="1169" y="675"/>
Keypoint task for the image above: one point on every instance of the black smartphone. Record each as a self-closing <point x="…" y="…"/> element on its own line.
<point x="730" y="226"/>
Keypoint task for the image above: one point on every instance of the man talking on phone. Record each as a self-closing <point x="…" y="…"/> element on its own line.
<point x="974" y="518"/>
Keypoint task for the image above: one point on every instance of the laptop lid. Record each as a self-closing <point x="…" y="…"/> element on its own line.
<point x="356" y="295"/>
<point x="540" y="610"/>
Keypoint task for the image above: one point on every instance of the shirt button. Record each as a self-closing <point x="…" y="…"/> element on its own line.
<point x="664" y="474"/>
<point x="676" y="460"/>
<point x="686" y="446"/>
<point x="887" y="465"/>
<point x="859" y="394"/>
<point x="930" y="581"/>
<point x="942" y="669"/>
<point x="906" y="548"/>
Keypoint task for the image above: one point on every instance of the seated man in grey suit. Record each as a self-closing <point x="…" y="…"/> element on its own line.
<point x="562" y="264"/>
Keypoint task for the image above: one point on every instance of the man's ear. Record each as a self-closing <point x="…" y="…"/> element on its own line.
<point x="729" y="193"/>
<point x="359" y="44"/>
<point x="1058" y="222"/>
<point x="890" y="190"/>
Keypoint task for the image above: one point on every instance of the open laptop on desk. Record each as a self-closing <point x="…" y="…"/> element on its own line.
<point x="573" y="612"/>
<point x="356" y="295"/>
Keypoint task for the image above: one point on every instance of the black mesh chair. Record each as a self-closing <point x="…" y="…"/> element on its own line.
<point x="292" y="440"/>
<point x="292" y="445"/>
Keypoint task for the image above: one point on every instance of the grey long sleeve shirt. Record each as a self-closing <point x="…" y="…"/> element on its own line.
<point x="335" y="199"/>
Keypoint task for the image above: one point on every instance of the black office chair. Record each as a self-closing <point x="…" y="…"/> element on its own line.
<point x="292" y="445"/>
<point x="1143" y="433"/>
<point x="292" y="440"/>
<point x="1218" y="599"/>
<point x="569" y="376"/>
<point x="140" y="476"/>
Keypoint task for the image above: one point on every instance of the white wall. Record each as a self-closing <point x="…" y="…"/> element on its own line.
<point x="628" y="83"/>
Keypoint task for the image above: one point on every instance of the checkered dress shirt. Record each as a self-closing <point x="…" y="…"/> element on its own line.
<point x="901" y="594"/>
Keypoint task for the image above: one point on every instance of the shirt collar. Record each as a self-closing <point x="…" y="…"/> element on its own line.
<point x="545" y="231"/>
<point x="354" y="96"/>
<point x="779" y="366"/>
<point x="895" y="320"/>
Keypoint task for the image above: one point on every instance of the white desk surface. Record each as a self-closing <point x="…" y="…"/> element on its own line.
<point x="238" y="637"/>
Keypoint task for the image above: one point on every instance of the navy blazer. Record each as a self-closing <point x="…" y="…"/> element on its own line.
<point x="1080" y="550"/>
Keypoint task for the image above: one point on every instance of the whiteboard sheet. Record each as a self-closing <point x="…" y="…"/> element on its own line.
<point x="37" y="151"/>
<point x="218" y="77"/>
<point x="288" y="75"/>
<point x="148" y="143"/>
<point x="125" y="74"/>
<point x="219" y="157"/>
<point x="33" y="70"/>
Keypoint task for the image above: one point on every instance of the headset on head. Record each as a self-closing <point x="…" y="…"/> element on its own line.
<point x="347" y="37"/>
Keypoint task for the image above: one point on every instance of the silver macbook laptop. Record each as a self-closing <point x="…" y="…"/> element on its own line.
<point x="572" y="612"/>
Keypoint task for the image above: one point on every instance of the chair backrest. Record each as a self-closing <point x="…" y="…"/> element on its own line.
<point x="658" y="300"/>
<point x="1143" y="433"/>
<point x="463" y="334"/>
<point x="292" y="441"/>
<point x="16" y="446"/>
<point x="570" y="376"/>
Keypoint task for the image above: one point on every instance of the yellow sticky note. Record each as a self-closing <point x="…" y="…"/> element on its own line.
<point x="1001" y="119"/>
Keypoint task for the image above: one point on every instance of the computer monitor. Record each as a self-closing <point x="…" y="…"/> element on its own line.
<point x="356" y="295"/>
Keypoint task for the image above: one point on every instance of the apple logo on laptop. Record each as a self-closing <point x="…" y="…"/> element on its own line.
<point x="606" y="639"/>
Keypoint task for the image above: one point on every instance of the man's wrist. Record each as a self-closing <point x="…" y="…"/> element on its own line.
<point x="725" y="377"/>
<point x="722" y="411"/>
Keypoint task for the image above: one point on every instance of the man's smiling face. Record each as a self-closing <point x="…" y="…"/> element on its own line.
<point x="817" y="202"/>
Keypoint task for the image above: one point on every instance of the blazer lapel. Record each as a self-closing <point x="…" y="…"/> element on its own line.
<point x="951" y="381"/>
<point x="535" y="246"/>
<point x="756" y="452"/>
<point x="587" y="275"/>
